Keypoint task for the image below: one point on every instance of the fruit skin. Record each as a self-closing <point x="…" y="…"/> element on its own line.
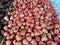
<point x="8" y="42"/>
<point x="6" y="28"/>
<point x="37" y="38"/>
<point x="18" y="43"/>
<point x="35" y="29"/>
<point x="33" y="42"/>
<point x="41" y="43"/>
<point x="29" y="38"/>
<point x="6" y="34"/>
<point x="25" y="42"/>
<point x="18" y="37"/>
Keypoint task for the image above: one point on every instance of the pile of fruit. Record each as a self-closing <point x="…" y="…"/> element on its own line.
<point x="31" y="22"/>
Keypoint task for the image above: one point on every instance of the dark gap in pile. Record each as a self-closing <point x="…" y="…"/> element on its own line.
<point x="4" y="8"/>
